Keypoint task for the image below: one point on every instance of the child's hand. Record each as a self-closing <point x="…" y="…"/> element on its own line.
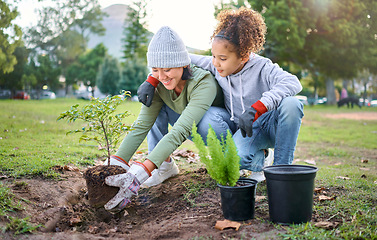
<point x="246" y="122"/>
<point x="249" y="116"/>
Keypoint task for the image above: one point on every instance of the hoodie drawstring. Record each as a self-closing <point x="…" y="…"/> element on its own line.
<point x="231" y="97"/>
<point x="231" y="100"/>
<point x="243" y="107"/>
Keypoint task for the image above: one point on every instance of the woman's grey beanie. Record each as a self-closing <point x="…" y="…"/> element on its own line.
<point x="167" y="50"/>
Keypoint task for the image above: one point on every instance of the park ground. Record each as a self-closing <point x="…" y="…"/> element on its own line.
<point x="342" y="143"/>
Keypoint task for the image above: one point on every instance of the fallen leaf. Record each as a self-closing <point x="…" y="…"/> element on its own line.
<point x="93" y="230"/>
<point x="260" y="198"/>
<point x="325" y="198"/>
<point x="364" y="160"/>
<point x="74" y="221"/>
<point x="364" y="169"/>
<point x="319" y="189"/>
<point x="326" y="225"/>
<point x="221" y="225"/>
<point x="3" y="177"/>
<point x="72" y="169"/>
<point x="344" y="178"/>
<point x="184" y="153"/>
<point x="125" y="213"/>
<point x="296" y="160"/>
<point x="312" y="162"/>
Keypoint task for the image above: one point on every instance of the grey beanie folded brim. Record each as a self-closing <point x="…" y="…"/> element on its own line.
<point x="167" y="50"/>
<point x="168" y="59"/>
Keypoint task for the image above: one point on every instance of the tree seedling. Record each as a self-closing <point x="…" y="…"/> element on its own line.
<point x="102" y="124"/>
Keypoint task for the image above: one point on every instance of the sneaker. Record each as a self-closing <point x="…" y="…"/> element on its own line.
<point x="268" y="160"/>
<point x="165" y="171"/>
<point x="259" y="176"/>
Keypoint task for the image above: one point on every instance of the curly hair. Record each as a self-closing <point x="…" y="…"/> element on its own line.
<point x="244" y="28"/>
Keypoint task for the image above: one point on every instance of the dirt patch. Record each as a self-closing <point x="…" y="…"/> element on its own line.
<point x="353" y="116"/>
<point x="184" y="207"/>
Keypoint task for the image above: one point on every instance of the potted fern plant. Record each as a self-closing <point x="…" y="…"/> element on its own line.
<point x="222" y="163"/>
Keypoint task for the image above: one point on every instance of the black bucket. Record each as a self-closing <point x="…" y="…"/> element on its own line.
<point x="238" y="203"/>
<point x="290" y="190"/>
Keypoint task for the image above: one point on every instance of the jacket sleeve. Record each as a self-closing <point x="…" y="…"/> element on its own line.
<point x="204" y="62"/>
<point x="200" y="97"/>
<point x="281" y="84"/>
<point x="140" y="129"/>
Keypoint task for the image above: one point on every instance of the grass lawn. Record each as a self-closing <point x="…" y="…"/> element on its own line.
<point x="344" y="149"/>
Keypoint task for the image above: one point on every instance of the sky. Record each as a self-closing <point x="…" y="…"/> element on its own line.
<point x="193" y="20"/>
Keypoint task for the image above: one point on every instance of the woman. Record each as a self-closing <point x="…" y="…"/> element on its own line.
<point x="184" y="95"/>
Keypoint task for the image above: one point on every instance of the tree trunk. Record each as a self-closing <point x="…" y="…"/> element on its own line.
<point x="365" y="93"/>
<point x="66" y="88"/>
<point x="330" y="92"/>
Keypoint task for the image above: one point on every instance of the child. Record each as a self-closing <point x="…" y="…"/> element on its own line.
<point x="184" y="96"/>
<point x="258" y="94"/>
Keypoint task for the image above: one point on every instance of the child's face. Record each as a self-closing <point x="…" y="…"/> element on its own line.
<point x="169" y="77"/>
<point x="225" y="59"/>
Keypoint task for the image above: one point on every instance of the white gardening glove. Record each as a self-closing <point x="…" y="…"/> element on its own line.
<point x="118" y="161"/>
<point x="128" y="183"/>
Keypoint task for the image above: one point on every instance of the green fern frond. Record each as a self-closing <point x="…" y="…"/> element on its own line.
<point x="217" y="156"/>
<point x="200" y="145"/>
<point x="232" y="160"/>
<point x="220" y="157"/>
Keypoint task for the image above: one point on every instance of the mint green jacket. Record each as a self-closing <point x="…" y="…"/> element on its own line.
<point x="199" y="93"/>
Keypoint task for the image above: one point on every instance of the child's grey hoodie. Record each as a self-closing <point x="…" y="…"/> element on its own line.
<point x="260" y="79"/>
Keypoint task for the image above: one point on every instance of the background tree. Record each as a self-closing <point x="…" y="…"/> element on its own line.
<point x="86" y="67"/>
<point x="135" y="42"/>
<point x="68" y="53"/>
<point x="328" y="38"/>
<point x="108" y="76"/>
<point x="90" y="22"/>
<point x="133" y="74"/>
<point x="46" y="73"/>
<point x="10" y="37"/>
<point x="13" y="80"/>
<point x="63" y="30"/>
<point x="82" y="16"/>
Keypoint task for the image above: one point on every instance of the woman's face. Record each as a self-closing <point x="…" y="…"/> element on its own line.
<point x="225" y="59"/>
<point x="171" y="78"/>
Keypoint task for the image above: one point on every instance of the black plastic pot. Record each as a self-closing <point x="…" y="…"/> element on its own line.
<point x="238" y="202"/>
<point x="290" y="190"/>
